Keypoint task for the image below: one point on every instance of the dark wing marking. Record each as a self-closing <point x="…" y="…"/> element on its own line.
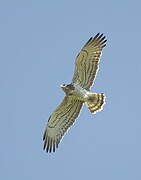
<point x="59" y="122"/>
<point x="86" y="64"/>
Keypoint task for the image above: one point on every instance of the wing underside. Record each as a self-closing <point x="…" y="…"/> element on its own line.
<point x="60" y="121"/>
<point x="86" y="64"/>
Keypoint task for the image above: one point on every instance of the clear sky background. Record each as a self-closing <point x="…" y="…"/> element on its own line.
<point x="39" y="41"/>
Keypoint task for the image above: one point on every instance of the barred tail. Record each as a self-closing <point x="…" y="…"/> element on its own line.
<point x="95" y="102"/>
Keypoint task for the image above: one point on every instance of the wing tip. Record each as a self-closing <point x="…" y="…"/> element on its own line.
<point x="50" y="145"/>
<point x="98" y="39"/>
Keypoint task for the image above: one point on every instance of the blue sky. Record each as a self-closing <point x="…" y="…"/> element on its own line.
<point x="39" y="41"/>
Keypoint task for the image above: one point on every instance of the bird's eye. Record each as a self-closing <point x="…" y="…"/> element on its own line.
<point x="63" y="84"/>
<point x="70" y="86"/>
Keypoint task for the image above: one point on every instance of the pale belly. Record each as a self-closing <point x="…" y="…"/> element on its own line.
<point x="80" y="93"/>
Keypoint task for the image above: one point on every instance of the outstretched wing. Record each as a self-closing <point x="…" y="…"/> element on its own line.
<point x="59" y="122"/>
<point x="86" y="64"/>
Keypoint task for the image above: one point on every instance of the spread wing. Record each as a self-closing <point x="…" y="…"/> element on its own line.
<point x="59" y="122"/>
<point x="86" y="64"/>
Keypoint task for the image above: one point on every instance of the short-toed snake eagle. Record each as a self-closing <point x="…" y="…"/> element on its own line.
<point x="77" y="93"/>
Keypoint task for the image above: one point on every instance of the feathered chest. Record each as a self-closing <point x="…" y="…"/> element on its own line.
<point x="75" y="91"/>
<point x="80" y="93"/>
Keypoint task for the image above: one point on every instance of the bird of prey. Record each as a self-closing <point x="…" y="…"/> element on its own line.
<point x="77" y="93"/>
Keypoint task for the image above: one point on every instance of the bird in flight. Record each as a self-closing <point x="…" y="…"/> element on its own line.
<point x="77" y="93"/>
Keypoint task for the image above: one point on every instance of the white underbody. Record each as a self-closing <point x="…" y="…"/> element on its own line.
<point x="80" y="93"/>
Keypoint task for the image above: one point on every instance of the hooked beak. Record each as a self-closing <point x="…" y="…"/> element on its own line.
<point x="62" y="86"/>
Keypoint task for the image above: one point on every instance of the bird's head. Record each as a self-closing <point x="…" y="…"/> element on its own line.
<point x="67" y="88"/>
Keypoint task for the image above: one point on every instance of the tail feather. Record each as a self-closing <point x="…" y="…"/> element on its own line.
<point x="95" y="102"/>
